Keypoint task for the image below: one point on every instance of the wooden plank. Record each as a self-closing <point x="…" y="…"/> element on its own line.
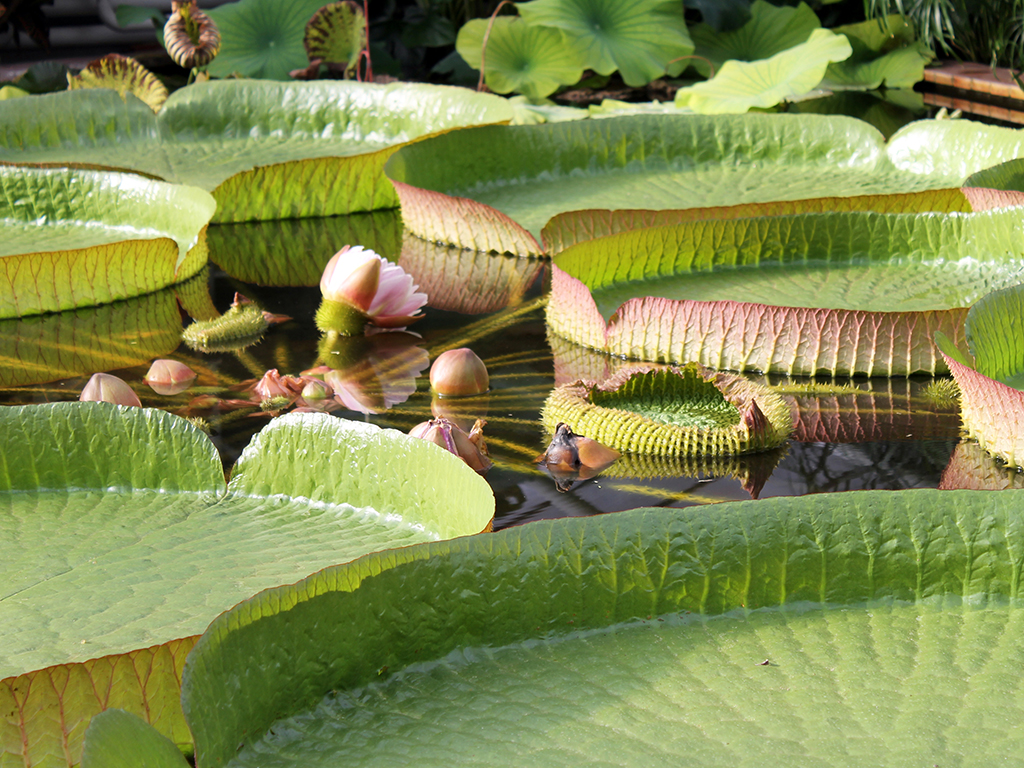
<point x="975" y="77"/>
<point x="974" y="107"/>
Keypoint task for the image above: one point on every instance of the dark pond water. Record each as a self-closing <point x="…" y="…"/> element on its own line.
<point x="853" y="434"/>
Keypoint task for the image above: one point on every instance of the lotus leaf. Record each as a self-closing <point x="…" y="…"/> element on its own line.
<point x="456" y="189"/>
<point x="262" y="38"/>
<point x="687" y="411"/>
<point x="264" y="150"/>
<point x="121" y="541"/>
<point x="885" y="52"/>
<point x="521" y="57"/>
<point x="336" y="34"/>
<point x="562" y="642"/>
<point x="991" y="396"/>
<point x="769" y="30"/>
<point x="740" y="85"/>
<point x="76" y="238"/>
<point x="842" y="293"/>
<point x="642" y="39"/>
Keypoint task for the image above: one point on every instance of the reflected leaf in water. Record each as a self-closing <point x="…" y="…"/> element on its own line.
<point x="972" y="467"/>
<point x="44" y="348"/>
<point x="469" y="282"/>
<point x="295" y="251"/>
<point x="371" y="374"/>
<point x="888" y="110"/>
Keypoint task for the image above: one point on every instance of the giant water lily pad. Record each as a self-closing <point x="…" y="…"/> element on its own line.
<point x="842" y="293"/>
<point x="739" y="629"/>
<point x="991" y="379"/>
<point x="264" y="150"/>
<point x="120" y="542"/>
<point x="76" y="238"/>
<point x="457" y="189"/>
<point x="687" y="411"/>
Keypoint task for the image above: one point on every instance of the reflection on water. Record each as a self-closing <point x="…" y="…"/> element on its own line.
<point x="851" y="434"/>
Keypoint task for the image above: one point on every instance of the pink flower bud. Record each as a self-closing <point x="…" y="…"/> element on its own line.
<point x="470" y="448"/>
<point x="103" y="387"/>
<point x="459" y="372"/>
<point x="169" y="377"/>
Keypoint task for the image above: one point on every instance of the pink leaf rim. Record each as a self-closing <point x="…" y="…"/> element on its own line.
<point x="742" y="336"/>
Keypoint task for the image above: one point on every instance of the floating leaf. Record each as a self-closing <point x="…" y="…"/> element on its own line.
<point x="839" y="293"/>
<point x="688" y="411"/>
<point x="456" y="189"/>
<point x="532" y="60"/>
<point x="991" y="396"/>
<point x="119" y="739"/>
<point x="775" y="611"/>
<point x="336" y="34"/>
<point x="124" y="75"/>
<point x="75" y="238"/>
<point x="640" y="39"/>
<point x="121" y="535"/>
<point x="265" y="150"/>
<point x="740" y="86"/>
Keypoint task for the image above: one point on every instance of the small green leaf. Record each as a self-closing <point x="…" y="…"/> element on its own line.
<point x="521" y="57"/>
<point x="885" y="52"/>
<point x="119" y="739"/>
<point x="741" y="86"/>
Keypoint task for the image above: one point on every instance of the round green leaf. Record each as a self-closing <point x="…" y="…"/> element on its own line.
<point x="562" y="642"/>
<point x="336" y="34"/>
<point x="521" y="57"/>
<point x="640" y="38"/>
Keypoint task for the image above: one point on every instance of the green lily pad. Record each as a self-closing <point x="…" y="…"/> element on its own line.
<point x="641" y="39"/>
<point x="77" y="238"/>
<point x="885" y="52"/>
<point x="116" y="739"/>
<point x="991" y="383"/>
<point x="264" y="150"/>
<point x="740" y="86"/>
<point x="262" y="38"/>
<point x="739" y="629"/>
<point x="456" y="189"/>
<point x="119" y="534"/>
<point x="526" y="58"/>
<point x="769" y="30"/>
<point x="688" y="411"/>
<point x="1008" y="175"/>
<point x="841" y="293"/>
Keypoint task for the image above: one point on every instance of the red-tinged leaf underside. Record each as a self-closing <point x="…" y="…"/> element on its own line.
<point x="34" y="283"/>
<point x="992" y="412"/>
<point x="466" y="281"/>
<point x="730" y="335"/>
<point x="572" y="227"/>
<point x="44" y="714"/>
<point x="463" y="222"/>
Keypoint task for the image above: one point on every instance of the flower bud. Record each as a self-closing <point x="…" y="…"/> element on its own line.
<point x="470" y="448"/>
<point x="459" y="372"/>
<point x="103" y="387"/>
<point x="169" y="377"/>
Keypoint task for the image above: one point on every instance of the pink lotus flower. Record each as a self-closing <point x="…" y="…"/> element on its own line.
<point x="103" y="387"/>
<point x="360" y="287"/>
